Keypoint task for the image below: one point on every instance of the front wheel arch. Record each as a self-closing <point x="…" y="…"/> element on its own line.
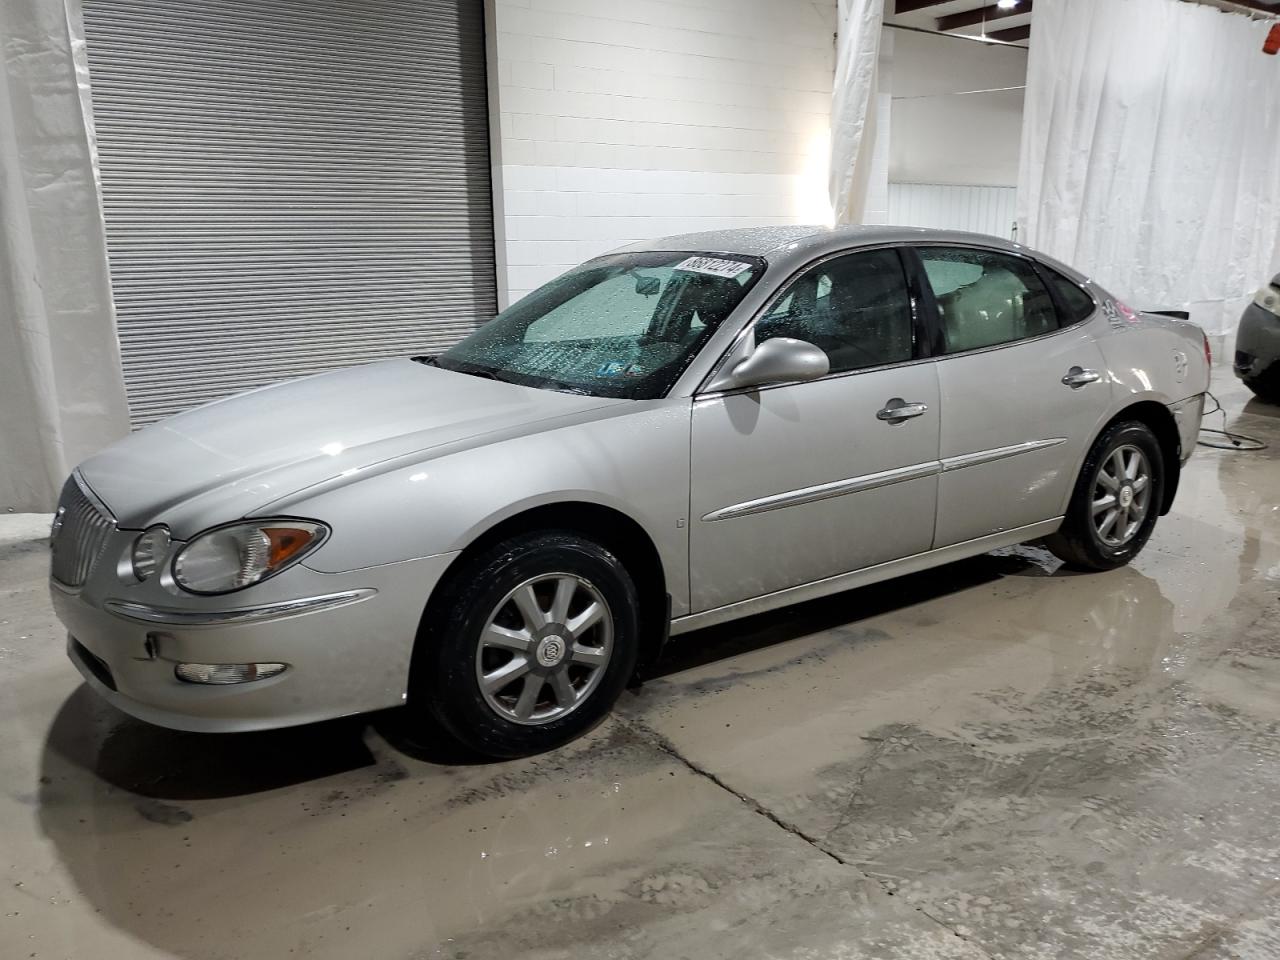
<point x="606" y="526"/>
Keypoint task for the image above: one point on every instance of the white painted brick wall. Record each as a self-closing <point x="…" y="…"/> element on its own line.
<point x="952" y="206"/>
<point x="620" y="120"/>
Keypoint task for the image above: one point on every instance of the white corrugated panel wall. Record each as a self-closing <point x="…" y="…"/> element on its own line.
<point x="949" y="206"/>
<point x="289" y="186"/>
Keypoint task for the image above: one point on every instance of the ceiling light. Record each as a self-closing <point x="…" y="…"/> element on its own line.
<point x="1006" y="4"/>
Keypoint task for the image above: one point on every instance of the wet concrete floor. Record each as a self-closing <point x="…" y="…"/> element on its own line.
<point x="995" y="759"/>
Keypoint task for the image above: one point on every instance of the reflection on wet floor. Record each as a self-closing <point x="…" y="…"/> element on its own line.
<point x="994" y="759"/>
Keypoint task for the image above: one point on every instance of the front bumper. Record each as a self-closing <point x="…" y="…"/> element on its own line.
<point x="347" y="639"/>
<point x="1257" y="344"/>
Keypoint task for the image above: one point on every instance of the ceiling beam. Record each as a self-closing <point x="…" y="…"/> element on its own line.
<point x="969" y="18"/>
<point x="1012" y="35"/>
<point x="911" y="6"/>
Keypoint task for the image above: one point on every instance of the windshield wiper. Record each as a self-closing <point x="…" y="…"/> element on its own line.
<point x="484" y="374"/>
<point x="560" y="385"/>
<point x="563" y="387"/>
<point x="429" y="361"/>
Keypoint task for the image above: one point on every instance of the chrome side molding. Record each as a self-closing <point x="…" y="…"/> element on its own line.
<point x="825" y="491"/>
<point x="869" y="481"/>
<point x="998" y="453"/>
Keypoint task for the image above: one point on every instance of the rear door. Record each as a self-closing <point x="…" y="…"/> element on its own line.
<point x="798" y="482"/>
<point x="1023" y="387"/>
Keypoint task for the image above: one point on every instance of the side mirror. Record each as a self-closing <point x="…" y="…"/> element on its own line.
<point x="780" y="360"/>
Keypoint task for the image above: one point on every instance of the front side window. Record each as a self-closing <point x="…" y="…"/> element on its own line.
<point x="856" y="308"/>
<point x="986" y="298"/>
<point x="622" y="326"/>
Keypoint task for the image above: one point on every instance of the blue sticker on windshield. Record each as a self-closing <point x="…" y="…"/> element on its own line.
<point x="611" y="369"/>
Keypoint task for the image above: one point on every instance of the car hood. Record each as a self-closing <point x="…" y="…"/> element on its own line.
<point x="229" y="459"/>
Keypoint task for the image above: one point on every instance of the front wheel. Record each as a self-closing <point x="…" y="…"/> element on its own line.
<point x="1266" y="388"/>
<point x="531" y="643"/>
<point x="1116" y="500"/>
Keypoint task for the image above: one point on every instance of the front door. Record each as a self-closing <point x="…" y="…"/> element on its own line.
<point x="799" y="482"/>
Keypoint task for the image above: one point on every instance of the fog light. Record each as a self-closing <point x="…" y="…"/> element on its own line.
<point x="226" y="672"/>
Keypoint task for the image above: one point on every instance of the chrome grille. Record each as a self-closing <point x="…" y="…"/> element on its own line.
<point x="80" y="532"/>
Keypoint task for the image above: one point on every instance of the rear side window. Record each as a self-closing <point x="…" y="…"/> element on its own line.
<point x="986" y="298"/>
<point x="1078" y="304"/>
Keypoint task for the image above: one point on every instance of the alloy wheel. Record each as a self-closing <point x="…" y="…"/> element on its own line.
<point x="544" y="648"/>
<point x="1121" y="495"/>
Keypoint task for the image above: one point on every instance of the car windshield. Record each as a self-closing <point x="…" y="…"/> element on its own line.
<point x="623" y="326"/>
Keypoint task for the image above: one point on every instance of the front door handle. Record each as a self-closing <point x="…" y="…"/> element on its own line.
<point x="897" y="410"/>
<point x="1079" y="377"/>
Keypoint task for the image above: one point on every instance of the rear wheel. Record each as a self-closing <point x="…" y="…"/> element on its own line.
<point x="529" y="646"/>
<point x="1116" y="500"/>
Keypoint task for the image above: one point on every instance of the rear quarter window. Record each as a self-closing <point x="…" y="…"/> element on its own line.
<point x="1073" y="298"/>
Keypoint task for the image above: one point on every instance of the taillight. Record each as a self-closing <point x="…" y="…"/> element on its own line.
<point x="1208" y="351"/>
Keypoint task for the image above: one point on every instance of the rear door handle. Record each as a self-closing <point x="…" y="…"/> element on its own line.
<point x="897" y="410"/>
<point x="1079" y="377"/>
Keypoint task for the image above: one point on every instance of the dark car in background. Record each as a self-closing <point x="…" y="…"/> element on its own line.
<point x="1257" y="360"/>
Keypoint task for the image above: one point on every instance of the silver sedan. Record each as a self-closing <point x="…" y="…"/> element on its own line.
<point x="674" y="435"/>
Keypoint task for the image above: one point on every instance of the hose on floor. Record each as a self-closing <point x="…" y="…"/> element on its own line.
<point x="1229" y="441"/>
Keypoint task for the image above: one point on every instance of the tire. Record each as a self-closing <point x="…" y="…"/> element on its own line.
<point x="1266" y="389"/>
<point x="516" y="587"/>
<point x="1087" y="544"/>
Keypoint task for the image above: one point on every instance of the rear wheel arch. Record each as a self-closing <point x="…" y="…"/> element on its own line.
<point x="1156" y="417"/>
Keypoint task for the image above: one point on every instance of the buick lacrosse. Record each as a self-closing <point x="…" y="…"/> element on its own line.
<point x="676" y="434"/>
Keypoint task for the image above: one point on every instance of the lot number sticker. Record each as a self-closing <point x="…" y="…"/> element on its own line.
<point x="713" y="266"/>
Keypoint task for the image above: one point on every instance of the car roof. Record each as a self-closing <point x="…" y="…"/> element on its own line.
<point x="791" y="247"/>
<point x="801" y="241"/>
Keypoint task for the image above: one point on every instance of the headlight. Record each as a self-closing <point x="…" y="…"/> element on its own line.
<point x="149" y="550"/>
<point x="1268" y="298"/>
<point x="238" y="556"/>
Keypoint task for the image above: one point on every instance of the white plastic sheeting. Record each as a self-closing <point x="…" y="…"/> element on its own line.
<point x="853" y="115"/>
<point x="1151" y="152"/>
<point x="61" y="392"/>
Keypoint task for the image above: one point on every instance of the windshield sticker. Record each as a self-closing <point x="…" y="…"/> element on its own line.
<point x="713" y="266"/>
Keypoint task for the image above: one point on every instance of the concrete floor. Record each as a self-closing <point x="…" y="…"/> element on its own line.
<point x="996" y="759"/>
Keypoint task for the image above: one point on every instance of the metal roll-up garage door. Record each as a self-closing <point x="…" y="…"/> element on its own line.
<point x="288" y="186"/>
